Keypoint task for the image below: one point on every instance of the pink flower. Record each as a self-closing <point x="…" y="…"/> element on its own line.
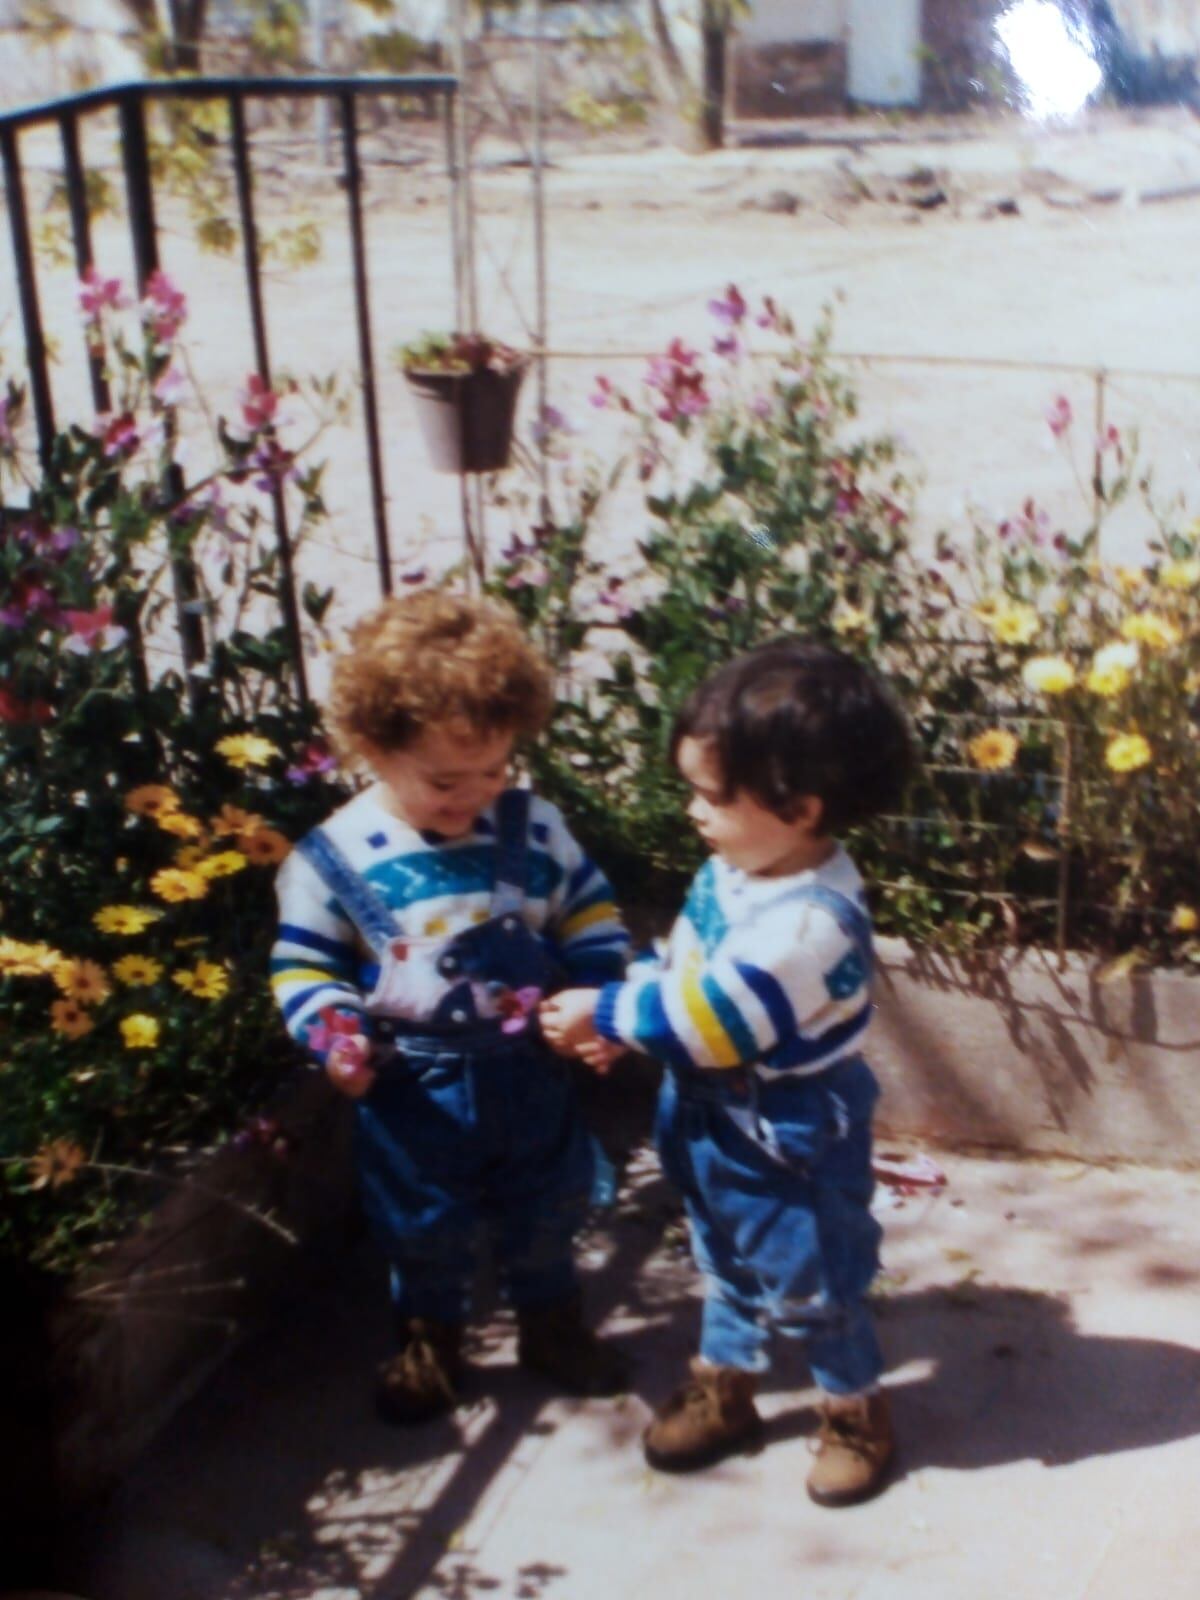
<point x="120" y="435"/>
<point x="761" y="406"/>
<point x="92" y="630"/>
<point x="768" y="317"/>
<point x="22" y="712"/>
<point x="314" y="758"/>
<point x="732" y="309"/>
<point x="1060" y="416"/>
<point x="333" y="1025"/>
<point x="28" y="597"/>
<point x="164" y="307"/>
<point x="274" y="465"/>
<point x="603" y="394"/>
<point x="259" y="402"/>
<point x="171" y="387"/>
<point x="680" y="382"/>
<point x="1110" y="439"/>
<point x="518" y="1006"/>
<point x="613" y="597"/>
<point x="530" y="575"/>
<point x="727" y="346"/>
<point x="95" y="293"/>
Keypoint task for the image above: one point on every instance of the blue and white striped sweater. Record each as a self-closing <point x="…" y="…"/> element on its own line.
<point x="435" y="889"/>
<point x="749" y="975"/>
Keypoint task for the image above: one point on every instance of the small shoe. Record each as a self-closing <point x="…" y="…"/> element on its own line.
<point x="553" y="1340"/>
<point x="854" y="1450"/>
<point x="707" y="1419"/>
<point x="422" y="1379"/>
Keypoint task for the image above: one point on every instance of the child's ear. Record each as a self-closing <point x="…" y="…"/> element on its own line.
<point x="808" y="814"/>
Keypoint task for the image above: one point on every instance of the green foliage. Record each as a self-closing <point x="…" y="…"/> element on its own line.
<point x="1048" y="805"/>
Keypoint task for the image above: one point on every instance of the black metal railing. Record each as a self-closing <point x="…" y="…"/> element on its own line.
<point x="130" y="101"/>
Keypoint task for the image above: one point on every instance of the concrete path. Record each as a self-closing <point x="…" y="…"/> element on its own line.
<point x="1042" y="1322"/>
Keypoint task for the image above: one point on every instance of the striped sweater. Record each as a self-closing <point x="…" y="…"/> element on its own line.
<point x="745" y="978"/>
<point x="436" y="888"/>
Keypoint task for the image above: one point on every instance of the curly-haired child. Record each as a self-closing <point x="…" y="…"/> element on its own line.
<point x="758" y="1013"/>
<point x="419" y="928"/>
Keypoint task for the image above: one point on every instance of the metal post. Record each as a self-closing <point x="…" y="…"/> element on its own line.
<point x="139" y="193"/>
<point x="76" y="180"/>
<point x="262" y="360"/>
<point x="322" y="104"/>
<point x="366" y="354"/>
<point x="539" y="235"/>
<point x="31" y="315"/>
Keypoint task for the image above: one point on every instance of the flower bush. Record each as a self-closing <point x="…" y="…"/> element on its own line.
<point x="1053" y="694"/>
<point x="146" y="788"/>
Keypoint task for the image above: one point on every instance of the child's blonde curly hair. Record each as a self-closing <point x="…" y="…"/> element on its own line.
<point x="433" y="658"/>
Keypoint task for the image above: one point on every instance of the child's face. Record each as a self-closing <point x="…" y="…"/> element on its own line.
<point x="740" y="830"/>
<point x="445" y="777"/>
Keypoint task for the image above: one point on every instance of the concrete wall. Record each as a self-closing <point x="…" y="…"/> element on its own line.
<point x="1008" y="1051"/>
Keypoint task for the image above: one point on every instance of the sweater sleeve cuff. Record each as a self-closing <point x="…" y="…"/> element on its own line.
<point x="604" y="1018"/>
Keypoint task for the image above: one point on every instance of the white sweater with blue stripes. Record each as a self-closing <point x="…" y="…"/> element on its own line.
<point x="435" y="888"/>
<point x="749" y="975"/>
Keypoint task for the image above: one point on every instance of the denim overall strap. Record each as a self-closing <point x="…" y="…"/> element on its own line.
<point x="850" y="918"/>
<point x="512" y="852"/>
<point x="365" y="907"/>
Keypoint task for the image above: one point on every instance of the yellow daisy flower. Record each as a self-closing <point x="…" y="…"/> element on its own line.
<point x="56" y="1163"/>
<point x="222" y="865"/>
<point x="1185" y="919"/>
<point x="22" y="960"/>
<point x="1107" y="682"/>
<point x="181" y="824"/>
<point x="995" y="750"/>
<point x="125" y="919"/>
<point x="139" y="1031"/>
<point x="1179" y="574"/>
<point x="186" y="979"/>
<point x="232" y="820"/>
<point x="1048" y="675"/>
<point x="850" y="619"/>
<point x="83" y="981"/>
<point x="151" y="800"/>
<point x="244" y="750"/>
<point x="1014" y="623"/>
<point x="188" y="856"/>
<point x="136" y="971"/>
<point x="1126" y="656"/>
<point x="175" y="884"/>
<point x="265" y="847"/>
<point x="1150" y="628"/>
<point x="69" y="1017"/>
<point x="1130" y="578"/>
<point x="212" y="981"/>
<point x="1127" y="752"/>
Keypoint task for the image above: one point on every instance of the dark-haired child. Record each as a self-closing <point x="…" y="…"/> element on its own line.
<point x="758" y="1013"/>
<point x="419" y="927"/>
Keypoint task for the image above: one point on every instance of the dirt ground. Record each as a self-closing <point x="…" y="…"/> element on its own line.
<point x="949" y="249"/>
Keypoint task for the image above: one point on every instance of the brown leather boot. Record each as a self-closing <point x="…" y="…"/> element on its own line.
<point x="423" y="1378"/>
<point x="854" y="1450"/>
<point x="554" y="1341"/>
<point x="708" y="1418"/>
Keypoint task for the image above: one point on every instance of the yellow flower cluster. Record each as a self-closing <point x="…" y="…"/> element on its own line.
<point x="1048" y="674"/>
<point x="1127" y="752"/>
<point x="994" y="750"/>
<point x="1011" y="621"/>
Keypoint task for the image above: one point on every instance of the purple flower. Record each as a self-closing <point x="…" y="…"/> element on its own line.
<point x="164" y="307"/>
<point x="613" y="597"/>
<point x="315" y="758"/>
<point x="95" y="292"/>
<point x="416" y="576"/>
<point x="1060" y="416"/>
<point x="171" y="387"/>
<point x="732" y="309"/>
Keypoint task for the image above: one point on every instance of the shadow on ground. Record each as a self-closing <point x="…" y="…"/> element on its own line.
<point x="277" y="1483"/>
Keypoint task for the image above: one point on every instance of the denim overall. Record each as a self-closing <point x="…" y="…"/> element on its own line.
<point x="468" y="1127"/>
<point x="775" y="1171"/>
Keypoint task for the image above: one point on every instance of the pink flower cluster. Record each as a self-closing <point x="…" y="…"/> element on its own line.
<point x="679" y="380"/>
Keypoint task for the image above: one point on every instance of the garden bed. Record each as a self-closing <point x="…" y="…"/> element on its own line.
<point x="1015" y="1051"/>
<point x="126" y="1341"/>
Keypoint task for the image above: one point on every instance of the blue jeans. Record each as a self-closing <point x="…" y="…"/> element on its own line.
<point x="784" y="1240"/>
<point x="454" y="1142"/>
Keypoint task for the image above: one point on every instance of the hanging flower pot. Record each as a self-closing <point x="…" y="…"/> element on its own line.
<point x="465" y="389"/>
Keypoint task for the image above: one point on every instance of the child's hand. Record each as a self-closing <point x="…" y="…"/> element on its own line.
<point x="347" y="1065"/>
<point x="566" y="1019"/>
<point x="599" y="1054"/>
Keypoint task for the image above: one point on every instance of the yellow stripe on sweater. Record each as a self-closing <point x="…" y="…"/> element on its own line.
<point x="705" y="1020"/>
<point x="295" y="974"/>
<point x="602" y="911"/>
